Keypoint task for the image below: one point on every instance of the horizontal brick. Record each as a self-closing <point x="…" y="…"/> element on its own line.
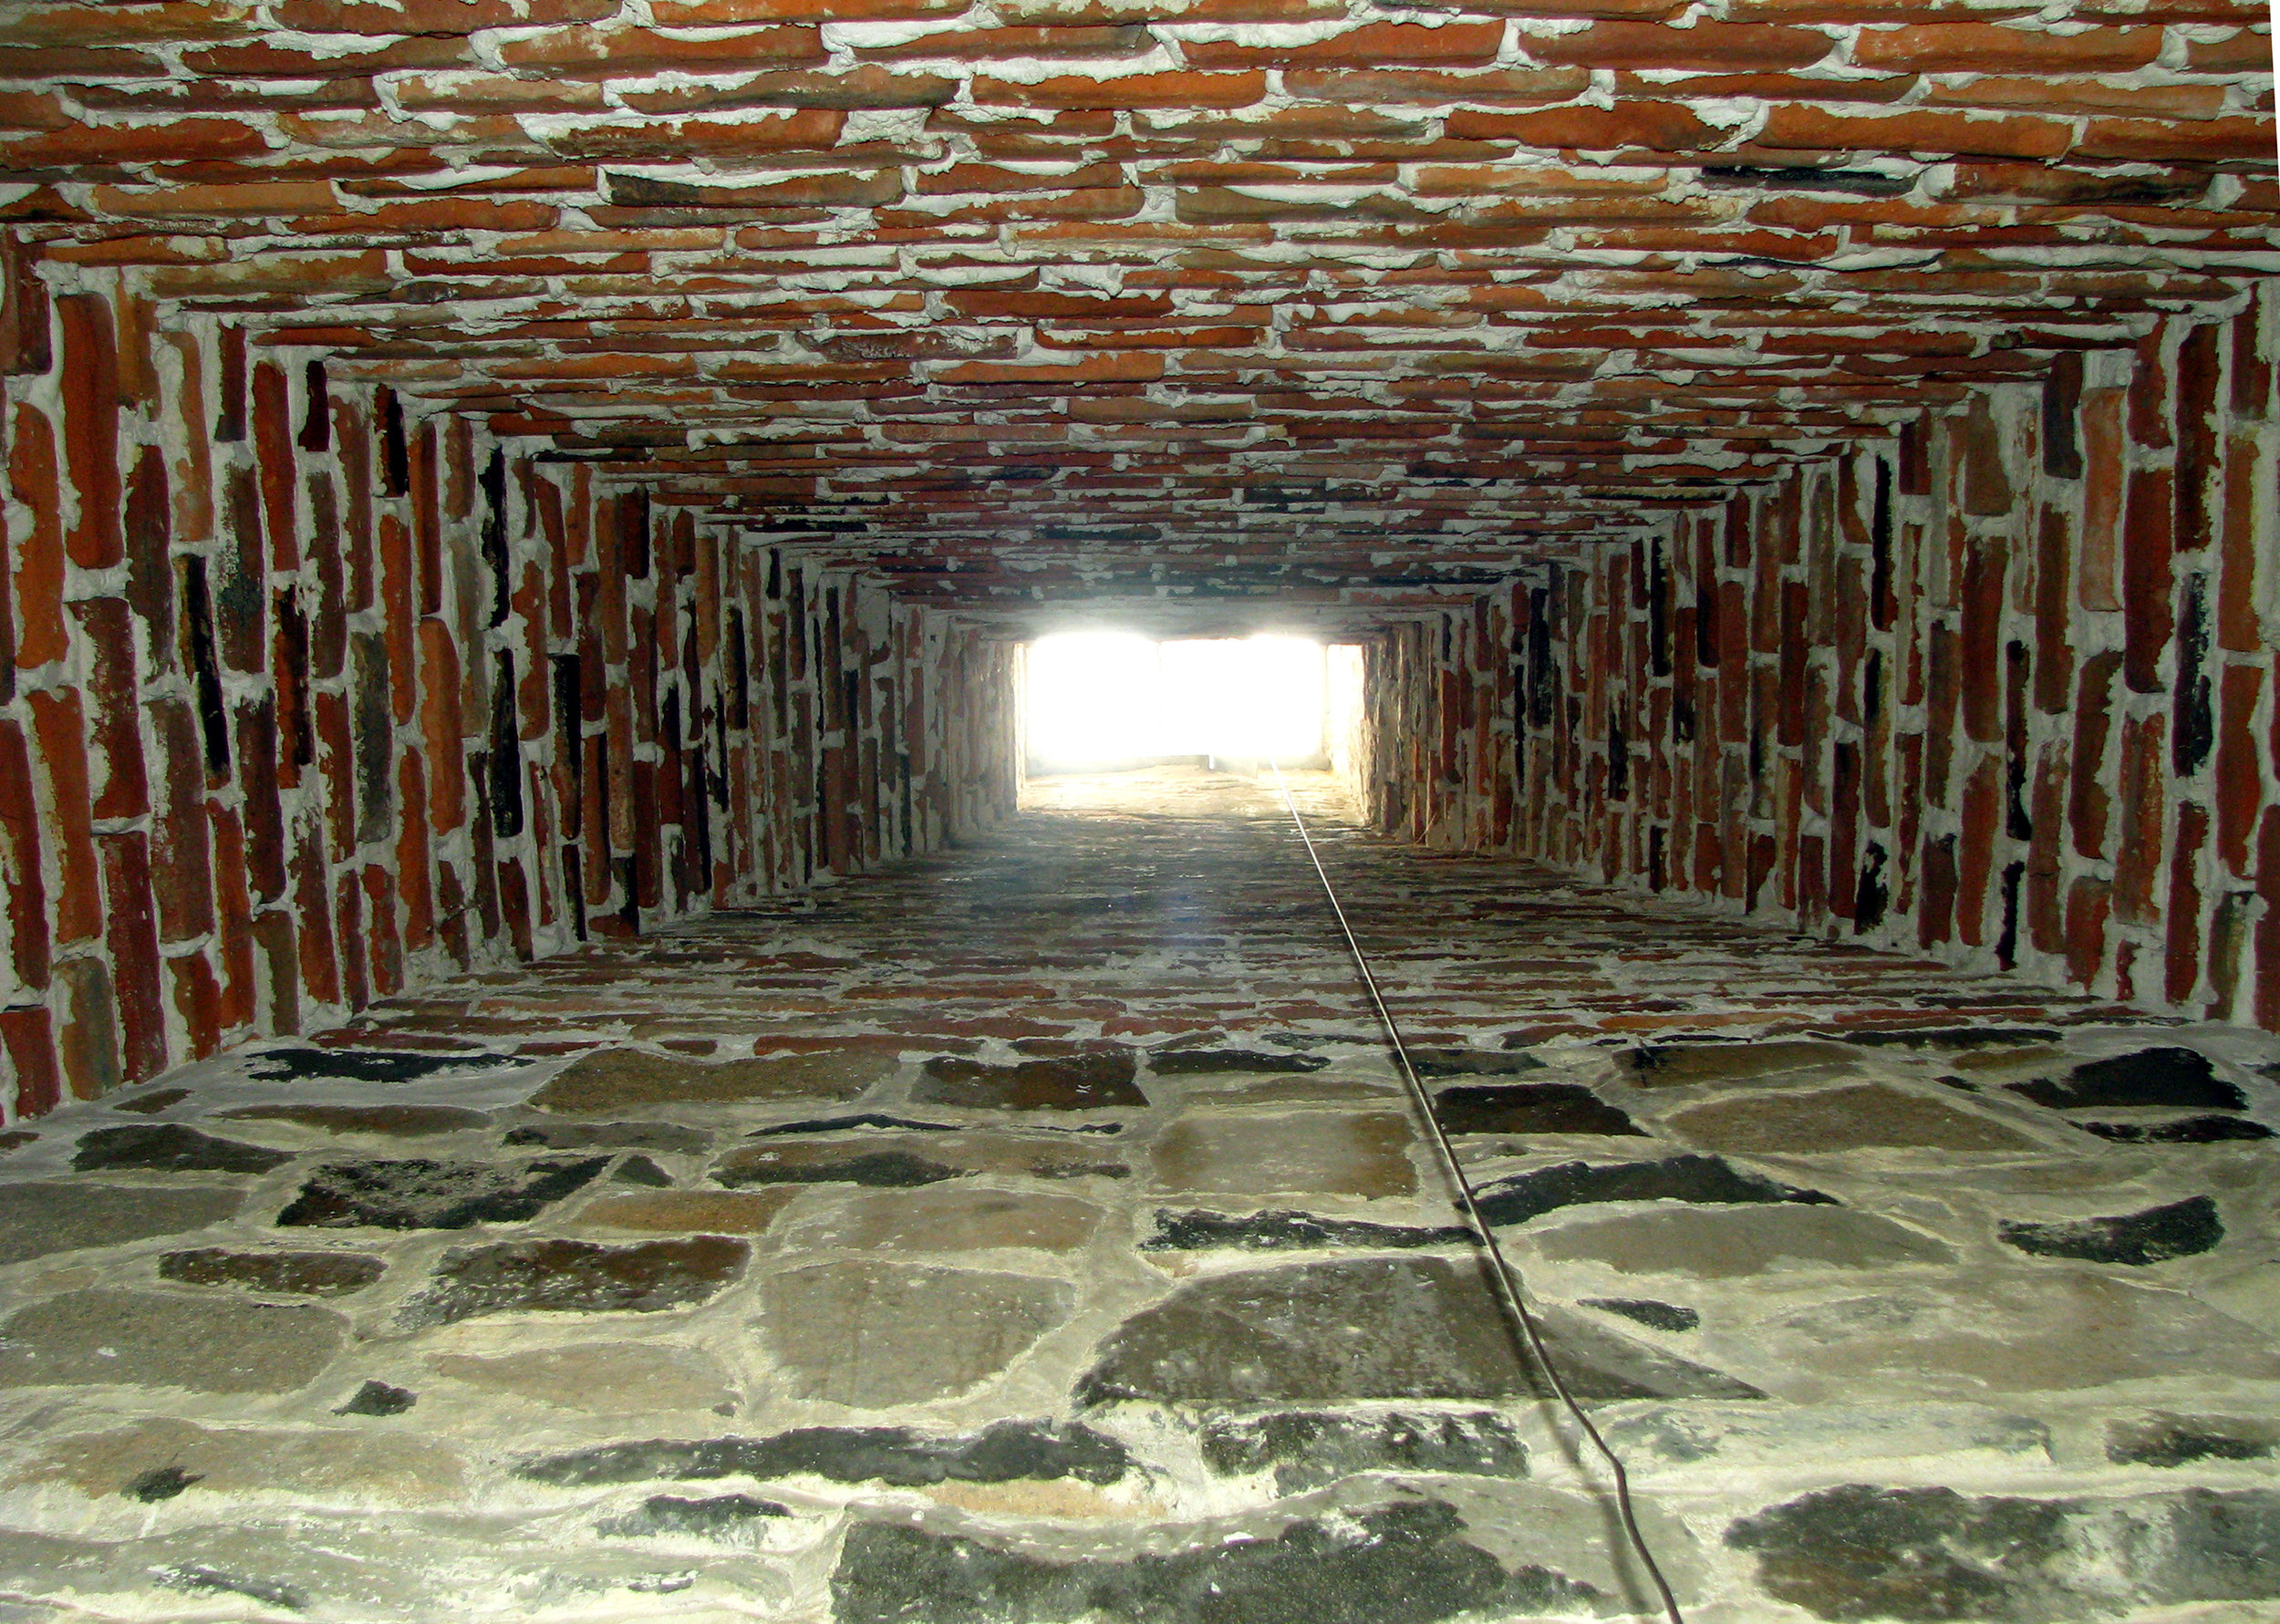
<point x="1805" y="128"/>
<point x="2218" y="140"/>
<point x="426" y="17"/>
<point x="1364" y="89"/>
<point x="1660" y="127"/>
<point x="1994" y="47"/>
<point x="614" y="52"/>
<point x="1373" y="44"/>
<point x="1710" y="48"/>
<point x="1135" y="90"/>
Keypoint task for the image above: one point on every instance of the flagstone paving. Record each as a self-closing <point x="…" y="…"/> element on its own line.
<point x="1038" y="1234"/>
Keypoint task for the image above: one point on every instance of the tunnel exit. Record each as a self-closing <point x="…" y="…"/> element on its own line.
<point x="1095" y="701"/>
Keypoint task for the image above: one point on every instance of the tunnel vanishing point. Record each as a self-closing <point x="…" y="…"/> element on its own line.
<point x="556" y="1067"/>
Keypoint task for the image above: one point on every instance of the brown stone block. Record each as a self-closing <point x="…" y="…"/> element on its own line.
<point x="39" y="558"/>
<point x="61" y="743"/>
<point x="28" y="1036"/>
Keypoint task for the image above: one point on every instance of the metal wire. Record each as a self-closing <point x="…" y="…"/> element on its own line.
<point x="1505" y="1279"/>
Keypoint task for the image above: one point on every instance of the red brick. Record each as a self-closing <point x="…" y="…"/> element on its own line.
<point x="198" y="1001"/>
<point x="356" y="984"/>
<point x="414" y="876"/>
<point x="132" y="936"/>
<point x="1659" y="127"/>
<point x="1981" y="811"/>
<point x="2088" y="903"/>
<point x="61" y="743"/>
<point x="613" y="52"/>
<point x="2267" y="976"/>
<point x="1989" y="48"/>
<point x="2149" y="614"/>
<point x="439" y="727"/>
<point x="2103" y="476"/>
<point x="2238" y="777"/>
<point x="39" y="559"/>
<point x="1809" y="128"/>
<point x="2170" y="140"/>
<point x="274" y="944"/>
<point x="150" y="564"/>
<point x="1135" y="90"/>
<point x="1980" y="642"/>
<point x="88" y="1042"/>
<point x="395" y="609"/>
<point x="312" y="916"/>
<point x="256" y="731"/>
<point x="29" y="1039"/>
<point x="181" y="140"/>
<point x="2087" y="804"/>
<point x="107" y="629"/>
<point x="20" y="861"/>
<point x="2239" y="628"/>
<point x="386" y="945"/>
<point x="2181" y="935"/>
<point x="181" y="882"/>
<point x="234" y="942"/>
<point x="428" y="17"/>
<point x="1373" y="45"/>
<point x="90" y="429"/>
<point x="2140" y="795"/>
<point x="1708" y="47"/>
<point x="272" y="454"/>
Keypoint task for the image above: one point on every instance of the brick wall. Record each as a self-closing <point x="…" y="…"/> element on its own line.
<point x="2000" y="688"/>
<point x="306" y="699"/>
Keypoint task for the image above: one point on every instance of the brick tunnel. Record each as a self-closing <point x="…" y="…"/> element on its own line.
<point x="559" y="1063"/>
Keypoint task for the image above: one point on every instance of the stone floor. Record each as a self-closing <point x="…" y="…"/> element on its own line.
<point x="1037" y="1234"/>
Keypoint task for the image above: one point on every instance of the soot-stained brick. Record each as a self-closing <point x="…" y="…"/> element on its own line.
<point x="1005" y="1451"/>
<point x="2180" y="1078"/>
<point x="1058" y="1082"/>
<point x="1529" y="1108"/>
<point x="1309" y="1448"/>
<point x="426" y="1195"/>
<point x="1927" y="1555"/>
<point x="370" y="1065"/>
<point x="1407" y="1564"/>
<point x="576" y="1276"/>
<point x="1286" y="1230"/>
<point x="2178" y="1229"/>
<point x="1706" y="1179"/>
<point x="170" y="1147"/>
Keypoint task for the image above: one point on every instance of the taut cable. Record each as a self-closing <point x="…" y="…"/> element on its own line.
<point x="1505" y="1279"/>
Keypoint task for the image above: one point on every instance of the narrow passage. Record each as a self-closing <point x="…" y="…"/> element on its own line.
<point x="1035" y="1233"/>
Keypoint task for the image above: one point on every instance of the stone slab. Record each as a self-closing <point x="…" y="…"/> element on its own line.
<point x="574" y="1276"/>
<point x="37" y="1220"/>
<point x="602" y="1378"/>
<point x="614" y="1080"/>
<point x="1868" y="1116"/>
<point x="846" y="1333"/>
<point x="153" y="1339"/>
<point x="688" y="1212"/>
<point x="957" y="1218"/>
<point x="1726" y="1243"/>
<point x="1318" y="1153"/>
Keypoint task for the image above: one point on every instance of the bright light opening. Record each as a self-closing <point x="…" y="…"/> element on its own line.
<point x="1105" y="699"/>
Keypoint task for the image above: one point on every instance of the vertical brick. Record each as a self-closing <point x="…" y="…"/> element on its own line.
<point x="20" y="863"/>
<point x="265" y="810"/>
<point x="181" y="855"/>
<point x="2181" y="960"/>
<point x="25" y="315"/>
<point x="2088" y="903"/>
<point x="2140" y="793"/>
<point x="312" y="915"/>
<point x="132" y="935"/>
<point x="115" y="697"/>
<point x="234" y="918"/>
<point x="28" y="1035"/>
<point x="274" y="462"/>
<point x="2238" y="779"/>
<point x="2104" y="473"/>
<point x="427" y="520"/>
<point x="241" y="592"/>
<point x="87" y="1041"/>
<point x="198" y="1002"/>
<point x="90" y="429"/>
<point x="2149" y="618"/>
<point x="149" y="563"/>
<point x="274" y="944"/>
<point x="60" y="740"/>
<point x="414" y="874"/>
<point x="398" y="622"/>
<point x="39" y="552"/>
<point x="439" y="727"/>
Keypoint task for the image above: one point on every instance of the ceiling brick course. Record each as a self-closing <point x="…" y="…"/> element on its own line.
<point x="913" y="283"/>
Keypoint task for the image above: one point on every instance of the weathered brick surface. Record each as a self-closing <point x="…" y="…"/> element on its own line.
<point x="2115" y="890"/>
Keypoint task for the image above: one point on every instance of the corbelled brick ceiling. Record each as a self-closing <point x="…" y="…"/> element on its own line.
<point x="1048" y="297"/>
